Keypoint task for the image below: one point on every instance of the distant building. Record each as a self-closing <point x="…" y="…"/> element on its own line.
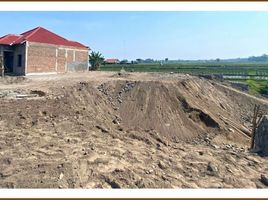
<point x="112" y="61"/>
<point x="41" y="51"/>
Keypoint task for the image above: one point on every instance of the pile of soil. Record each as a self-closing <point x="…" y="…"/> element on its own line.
<point x="168" y="132"/>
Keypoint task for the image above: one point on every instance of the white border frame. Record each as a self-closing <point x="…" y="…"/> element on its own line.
<point x="134" y="6"/>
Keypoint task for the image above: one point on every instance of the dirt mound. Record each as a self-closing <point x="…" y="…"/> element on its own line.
<point x="178" y="110"/>
<point x="128" y="133"/>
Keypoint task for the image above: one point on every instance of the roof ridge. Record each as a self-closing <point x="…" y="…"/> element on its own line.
<point x="39" y="27"/>
<point x="34" y="31"/>
<point x="57" y="35"/>
<point x="25" y="38"/>
<point x="11" y="34"/>
<point x="29" y="30"/>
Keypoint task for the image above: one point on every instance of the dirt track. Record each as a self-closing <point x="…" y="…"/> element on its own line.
<point x="138" y="130"/>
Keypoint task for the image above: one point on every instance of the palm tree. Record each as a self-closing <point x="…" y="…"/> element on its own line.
<point x="95" y="59"/>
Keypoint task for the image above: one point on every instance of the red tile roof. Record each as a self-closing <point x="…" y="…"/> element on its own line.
<point x="8" y="39"/>
<point x="111" y="60"/>
<point x="39" y="35"/>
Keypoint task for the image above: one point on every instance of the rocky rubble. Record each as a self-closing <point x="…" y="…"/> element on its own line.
<point x="129" y="85"/>
<point x="19" y="94"/>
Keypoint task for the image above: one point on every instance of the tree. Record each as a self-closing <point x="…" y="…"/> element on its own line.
<point x="125" y="61"/>
<point x="95" y="59"/>
<point x="262" y="58"/>
<point x="217" y="60"/>
<point x="148" y="60"/>
<point x="166" y="59"/>
<point x="139" y="60"/>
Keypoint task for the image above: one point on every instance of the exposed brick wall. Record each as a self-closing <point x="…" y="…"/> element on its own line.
<point x="70" y="56"/>
<point x="41" y="58"/>
<point x="77" y="60"/>
<point x="51" y="58"/>
<point x="61" y="60"/>
<point x="81" y="56"/>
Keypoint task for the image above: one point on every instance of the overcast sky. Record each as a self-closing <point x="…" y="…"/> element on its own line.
<point x="157" y="35"/>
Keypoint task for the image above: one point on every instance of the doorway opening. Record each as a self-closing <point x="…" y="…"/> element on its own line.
<point x="8" y="61"/>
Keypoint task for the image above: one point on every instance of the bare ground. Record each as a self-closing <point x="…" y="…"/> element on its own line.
<point x="137" y="130"/>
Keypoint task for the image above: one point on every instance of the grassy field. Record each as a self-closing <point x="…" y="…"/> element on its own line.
<point x="255" y="86"/>
<point x="251" y="70"/>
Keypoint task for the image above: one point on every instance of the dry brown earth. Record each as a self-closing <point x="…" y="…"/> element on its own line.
<point x="137" y="130"/>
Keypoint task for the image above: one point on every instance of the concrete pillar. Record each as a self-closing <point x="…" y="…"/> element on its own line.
<point x="66" y="55"/>
<point x="1" y="51"/>
<point x="56" y="65"/>
<point x="2" y="71"/>
<point x="26" y="58"/>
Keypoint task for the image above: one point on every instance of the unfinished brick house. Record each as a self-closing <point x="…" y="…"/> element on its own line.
<point x="40" y="51"/>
